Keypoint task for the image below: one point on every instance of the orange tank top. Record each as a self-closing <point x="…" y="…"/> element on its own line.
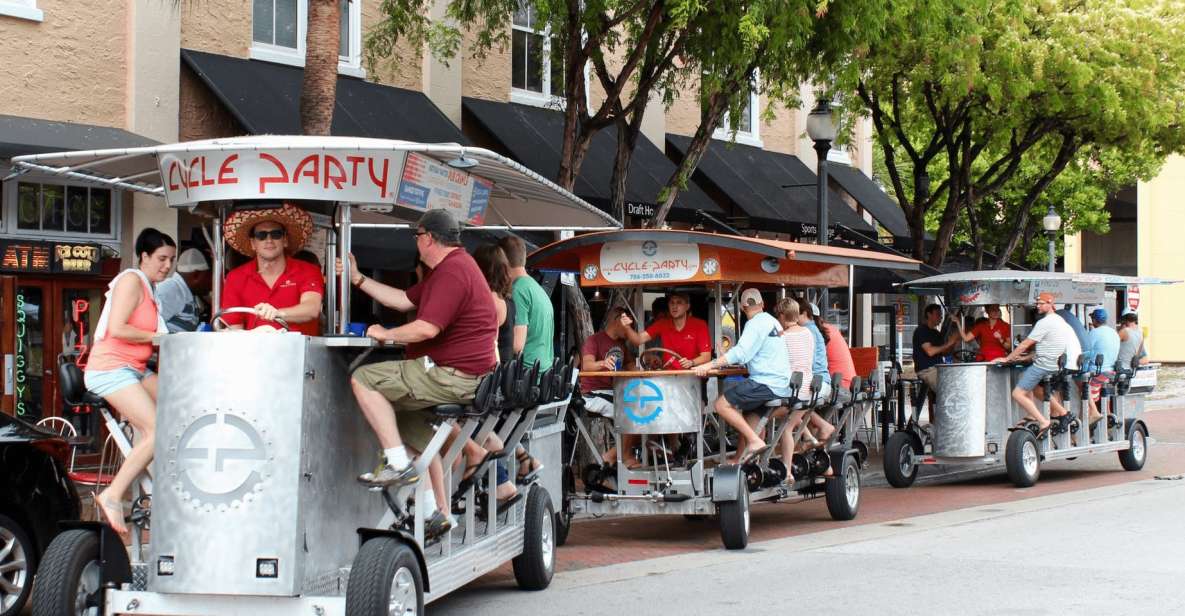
<point x="110" y="353"/>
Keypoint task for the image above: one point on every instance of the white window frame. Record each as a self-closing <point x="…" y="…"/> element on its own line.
<point x="530" y="97"/>
<point x="22" y="9"/>
<point x="749" y="137"/>
<point x="347" y="65"/>
<point x="10" y="226"/>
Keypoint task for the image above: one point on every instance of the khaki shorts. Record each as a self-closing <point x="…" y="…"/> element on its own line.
<point x="411" y="387"/>
<point x="929" y="376"/>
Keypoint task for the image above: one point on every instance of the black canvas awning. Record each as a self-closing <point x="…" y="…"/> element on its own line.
<point x="871" y="198"/>
<point x="753" y="179"/>
<point x="265" y="99"/>
<point x="533" y="136"/>
<point x="20" y="136"/>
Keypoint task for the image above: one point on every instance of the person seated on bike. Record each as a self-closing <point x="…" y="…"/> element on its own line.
<point x="991" y="334"/>
<point x="808" y="317"/>
<point x="1052" y="337"/>
<point x="117" y="368"/>
<point x="451" y="345"/>
<point x="608" y="350"/>
<point x="681" y="333"/>
<point x="271" y="283"/>
<point x="763" y="352"/>
<point x="800" y="349"/>
<point x="1101" y="340"/>
<point x="1131" y="341"/>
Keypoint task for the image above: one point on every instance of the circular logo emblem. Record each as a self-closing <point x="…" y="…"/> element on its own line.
<point x="649" y="248"/>
<point x="590" y="272"/>
<point x="642" y="401"/>
<point x="711" y="266"/>
<point x="221" y="458"/>
<point x="770" y="265"/>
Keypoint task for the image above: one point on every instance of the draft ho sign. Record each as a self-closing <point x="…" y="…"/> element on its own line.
<point x="629" y="262"/>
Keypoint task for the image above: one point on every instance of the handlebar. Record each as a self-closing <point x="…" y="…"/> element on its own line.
<point x="217" y="318"/>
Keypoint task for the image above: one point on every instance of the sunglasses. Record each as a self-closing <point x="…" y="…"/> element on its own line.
<point x="274" y="234"/>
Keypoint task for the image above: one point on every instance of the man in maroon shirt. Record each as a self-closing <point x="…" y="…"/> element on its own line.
<point x="451" y="346"/>
<point x="272" y="283"/>
<point x="680" y="332"/>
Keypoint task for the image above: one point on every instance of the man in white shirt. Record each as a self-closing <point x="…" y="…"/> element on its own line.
<point x="1052" y="337"/>
<point x="179" y="307"/>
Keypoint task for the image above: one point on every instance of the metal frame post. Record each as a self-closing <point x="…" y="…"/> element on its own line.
<point x="343" y="245"/>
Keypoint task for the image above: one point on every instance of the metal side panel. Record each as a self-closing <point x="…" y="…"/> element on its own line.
<point x="613" y="506"/>
<point x="228" y="462"/>
<point x="1086" y="450"/>
<point x="166" y="604"/>
<point x="463" y="566"/>
<point x="336" y="445"/>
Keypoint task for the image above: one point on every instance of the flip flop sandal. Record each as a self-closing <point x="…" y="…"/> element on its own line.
<point x="505" y="504"/>
<point x="1041" y="432"/>
<point x="750" y="455"/>
<point x="437" y="525"/>
<point x="468" y="479"/>
<point x="532" y="473"/>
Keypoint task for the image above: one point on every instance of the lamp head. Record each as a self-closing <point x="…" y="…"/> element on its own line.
<point x="1051" y="222"/>
<point x="820" y="125"/>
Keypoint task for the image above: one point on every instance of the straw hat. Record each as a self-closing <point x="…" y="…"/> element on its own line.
<point x="296" y="222"/>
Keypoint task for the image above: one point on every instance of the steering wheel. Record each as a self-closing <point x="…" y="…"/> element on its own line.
<point x="965" y="355"/>
<point x="662" y="350"/>
<point x="220" y="324"/>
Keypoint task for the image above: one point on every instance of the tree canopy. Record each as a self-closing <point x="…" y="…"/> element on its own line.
<point x="981" y="106"/>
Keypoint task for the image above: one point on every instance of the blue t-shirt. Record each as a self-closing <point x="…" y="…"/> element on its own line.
<point x="762" y="350"/>
<point x="819" y="362"/>
<point x="1102" y="341"/>
<point x="1079" y="330"/>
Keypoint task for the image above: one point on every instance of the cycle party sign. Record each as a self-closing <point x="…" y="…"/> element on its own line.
<point x="406" y="179"/>
<point x="649" y="261"/>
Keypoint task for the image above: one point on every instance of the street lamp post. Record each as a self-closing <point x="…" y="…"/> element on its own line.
<point x="1052" y="223"/>
<point x="820" y="127"/>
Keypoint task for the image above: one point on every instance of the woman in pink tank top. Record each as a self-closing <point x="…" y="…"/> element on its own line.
<point x="117" y="369"/>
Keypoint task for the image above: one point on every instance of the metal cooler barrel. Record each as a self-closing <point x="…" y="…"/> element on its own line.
<point x="258" y="442"/>
<point x="657" y="404"/>
<point x="959" y="422"/>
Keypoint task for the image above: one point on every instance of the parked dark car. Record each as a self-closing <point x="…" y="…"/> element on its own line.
<point x="35" y="495"/>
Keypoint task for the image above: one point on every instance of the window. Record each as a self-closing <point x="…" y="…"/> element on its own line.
<point x="747" y="127"/>
<point x="278" y="29"/>
<point x="537" y="73"/>
<point x="24" y="9"/>
<point x="53" y="209"/>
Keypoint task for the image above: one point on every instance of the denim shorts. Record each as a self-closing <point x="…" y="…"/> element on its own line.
<point x="1031" y="377"/>
<point x="749" y="395"/>
<point x="103" y="383"/>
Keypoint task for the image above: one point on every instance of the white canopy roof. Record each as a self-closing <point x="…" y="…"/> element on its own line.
<point x="408" y="176"/>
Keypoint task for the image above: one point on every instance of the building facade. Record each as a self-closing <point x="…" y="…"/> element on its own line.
<point x="89" y="74"/>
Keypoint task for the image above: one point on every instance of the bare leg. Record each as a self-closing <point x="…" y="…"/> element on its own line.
<point x="1055" y="405"/>
<point x="135" y="404"/>
<point x="788" y="441"/>
<point x="379" y="414"/>
<point x="752" y="441"/>
<point x="822" y="427"/>
<point x="1025" y="399"/>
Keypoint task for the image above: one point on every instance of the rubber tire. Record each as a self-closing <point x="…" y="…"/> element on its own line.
<point x="1126" y="457"/>
<point x="734" y="520"/>
<point x="62" y="565"/>
<point x="26" y="545"/>
<point x="563" y="518"/>
<point x="836" y="489"/>
<point x="532" y="570"/>
<point x="892" y="461"/>
<point x="1013" y="459"/>
<point x="368" y="591"/>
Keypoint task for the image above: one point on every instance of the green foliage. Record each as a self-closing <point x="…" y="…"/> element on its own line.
<point x="986" y="104"/>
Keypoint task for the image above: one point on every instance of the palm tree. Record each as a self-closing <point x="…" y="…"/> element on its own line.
<point x="319" y="91"/>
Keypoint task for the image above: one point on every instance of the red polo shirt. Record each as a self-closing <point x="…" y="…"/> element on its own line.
<point x="245" y="287"/>
<point x="689" y="342"/>
<point x="455" y="297"/>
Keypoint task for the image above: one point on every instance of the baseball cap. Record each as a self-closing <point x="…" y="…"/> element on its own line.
<point x="751" y="297"/>
<point x="192" y="260"/>
<point x="1099" y="315"/>
<point x="1045" y="296"/>
<point x="441" y="224"/>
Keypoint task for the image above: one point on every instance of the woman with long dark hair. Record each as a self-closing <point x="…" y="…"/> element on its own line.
<point x="117" y="369"/>
<point x="496" y="269"/>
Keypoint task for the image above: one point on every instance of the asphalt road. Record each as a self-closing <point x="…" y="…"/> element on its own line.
<point x="1088" y="538"/>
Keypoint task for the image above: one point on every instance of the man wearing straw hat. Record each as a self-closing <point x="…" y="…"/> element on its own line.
<point x="273" y="284"/>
